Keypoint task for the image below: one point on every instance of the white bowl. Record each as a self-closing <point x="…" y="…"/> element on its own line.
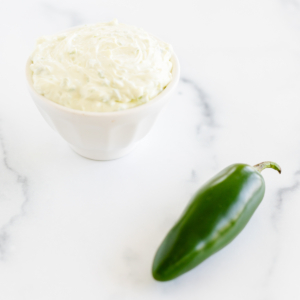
<point x="103" y="135"/>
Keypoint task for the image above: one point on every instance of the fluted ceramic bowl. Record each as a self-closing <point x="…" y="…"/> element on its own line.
<point x="103" y="135"/>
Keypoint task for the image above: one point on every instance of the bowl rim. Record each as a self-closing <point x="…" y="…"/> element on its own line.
<point x="169" y="88"/>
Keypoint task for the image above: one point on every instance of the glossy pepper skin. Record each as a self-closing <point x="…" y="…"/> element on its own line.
<point x="216" y="215"/>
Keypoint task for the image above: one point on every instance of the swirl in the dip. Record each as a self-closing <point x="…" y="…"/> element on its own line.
<point x="102" y="67"/>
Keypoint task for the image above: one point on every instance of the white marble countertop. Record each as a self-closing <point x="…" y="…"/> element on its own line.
<point x="72" y="228"/>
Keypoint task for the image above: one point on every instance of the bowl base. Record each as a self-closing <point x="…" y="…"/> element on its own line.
<point x="103" y="155"/>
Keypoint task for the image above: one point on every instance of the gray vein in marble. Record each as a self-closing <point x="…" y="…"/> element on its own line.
<point x="280" y="197"/>
<point x="193" y="176"/>
<point x="205" y="128"/>
<point x="294" y="3"/>
<point x="291" y="9"/>
<point x="23" y="182"/>
<point x="281" y="193"/>
<point x="130" y="256"/>
<point x="204" y="102"/>
<point x="73" y="16"/>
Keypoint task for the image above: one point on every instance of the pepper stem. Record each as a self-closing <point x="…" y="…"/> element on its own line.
<point x="267" y="164"/>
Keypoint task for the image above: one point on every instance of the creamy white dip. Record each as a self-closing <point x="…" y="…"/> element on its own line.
<point x="101" y="67"/>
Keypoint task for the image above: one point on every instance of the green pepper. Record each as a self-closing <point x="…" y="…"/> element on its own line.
<point x="216" y="215"/>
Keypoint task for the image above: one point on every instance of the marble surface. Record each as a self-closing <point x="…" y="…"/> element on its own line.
<point x="71" y="228"/>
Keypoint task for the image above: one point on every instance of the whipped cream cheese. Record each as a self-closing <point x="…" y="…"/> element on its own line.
<point x="101" y="67"/>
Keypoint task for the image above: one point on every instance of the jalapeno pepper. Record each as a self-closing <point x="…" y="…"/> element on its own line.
<point x="216" y="215"/>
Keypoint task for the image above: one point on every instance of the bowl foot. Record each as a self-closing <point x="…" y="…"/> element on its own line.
<point x="103" y="155"/>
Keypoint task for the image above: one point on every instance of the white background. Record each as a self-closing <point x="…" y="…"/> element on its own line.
<point x="72" y="228"/>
